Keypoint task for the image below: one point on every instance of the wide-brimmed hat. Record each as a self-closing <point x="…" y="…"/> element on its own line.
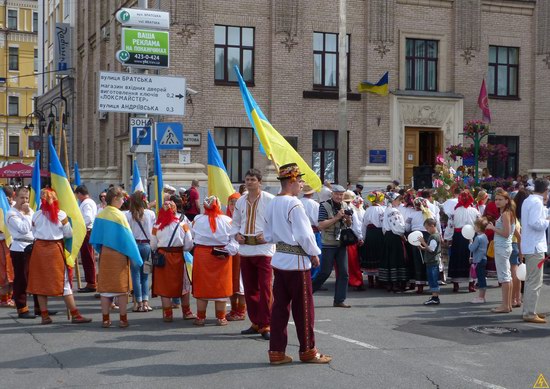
<point x="289" y="171"/>
<point x="348" y="196"/>
<point x="307" y="189"/>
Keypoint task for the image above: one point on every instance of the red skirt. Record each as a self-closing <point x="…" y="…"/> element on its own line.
<point x="47" y="268"/>
<point x="168" y="280"/>
<point x="211" y="274"/>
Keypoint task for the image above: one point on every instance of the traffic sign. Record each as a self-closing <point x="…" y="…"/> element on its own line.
<point x="141" y="93"/>
<point x="146" y="18"/>
<point x="170" y="135"/>
<point x="144" y="48"/>
<point x="141" y="130"/>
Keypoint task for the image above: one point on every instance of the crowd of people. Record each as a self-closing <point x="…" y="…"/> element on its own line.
<point x="269" y="254"/>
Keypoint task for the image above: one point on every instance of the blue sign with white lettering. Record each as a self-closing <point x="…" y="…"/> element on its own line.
<point x="170" y="135"/>
<point x="377" y="156"/>
<point x="141" y="130"/>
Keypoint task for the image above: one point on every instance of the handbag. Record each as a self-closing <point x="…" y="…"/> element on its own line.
<point x="491" y="249"/>
<point x="28" y="249"/>
<point x="347" y="237"/>
<point x="147" y="263"/>
<point x="473" y="271"/>
<point x="158" y="259"/>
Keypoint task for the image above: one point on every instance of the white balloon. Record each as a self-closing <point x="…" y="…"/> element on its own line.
<point x="521" y="272"/>
<point x="468" y="232"/>
<point x="413" y="238"/>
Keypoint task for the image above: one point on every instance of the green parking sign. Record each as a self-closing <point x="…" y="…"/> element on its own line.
<point x="144" y="48"/>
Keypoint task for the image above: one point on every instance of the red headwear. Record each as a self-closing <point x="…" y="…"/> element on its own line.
<point x="49" y="205"/>
<point x="234" y="196"/>
<point x="167" y="214"/>
<point x="212" y="209"/>
<point x="465" y="199"/>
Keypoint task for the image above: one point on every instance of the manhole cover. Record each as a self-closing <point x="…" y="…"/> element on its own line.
<point x="493" y="330"/>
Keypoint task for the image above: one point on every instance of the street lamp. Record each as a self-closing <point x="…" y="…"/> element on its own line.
<point x="28" y="132"/>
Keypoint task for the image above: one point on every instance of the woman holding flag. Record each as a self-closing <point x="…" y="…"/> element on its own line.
<point x="113" y="239"/>
<point x="48" y="271"/>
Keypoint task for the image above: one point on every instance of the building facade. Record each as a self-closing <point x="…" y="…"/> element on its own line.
<point x="437" y="53"/>
<point x="18" y="69"/>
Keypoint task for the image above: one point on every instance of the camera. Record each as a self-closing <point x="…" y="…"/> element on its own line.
<point x="348" y="212"/>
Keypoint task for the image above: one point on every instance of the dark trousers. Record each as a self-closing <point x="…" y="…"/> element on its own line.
<point x="332" y="255"/>
<point x="292" y="286"/>
<point x="88" y="260"/>
<point x="20" y="262"/>
<point x="257" y="274"/>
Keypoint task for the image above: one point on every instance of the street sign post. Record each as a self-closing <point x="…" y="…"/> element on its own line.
<point x="145" y="18"/>
<point x="144" y="48"/>
<point x="141" y="130"/>
<point x="170" y="135"/>
<point x="141" y="93"/>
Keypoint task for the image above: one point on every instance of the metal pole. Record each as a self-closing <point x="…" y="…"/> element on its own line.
<point x="342" y="94"/>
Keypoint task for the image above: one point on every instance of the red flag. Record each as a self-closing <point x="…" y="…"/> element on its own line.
<point x="483" y="102"/>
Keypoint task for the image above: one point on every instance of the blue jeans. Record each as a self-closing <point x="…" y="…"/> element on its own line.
<point x="140" y="280"/>
<point x="481" y="270"/>
<point x="315" y="270"/>
<point x="331" y="255"/>
<point x="432" y="272"/>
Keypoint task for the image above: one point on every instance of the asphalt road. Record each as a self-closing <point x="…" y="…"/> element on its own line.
<point x="383" y="341"/>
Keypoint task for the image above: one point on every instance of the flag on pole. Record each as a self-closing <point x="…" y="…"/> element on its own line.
<point x="67" y="203"/>
<point x="77" y="180"/>
<point x="483" y="102"/>
<point x="5" y="206"/>
<point x="219" y="184"/>
<point x="380" y="88"/>
<point x="137" y="184"/>
<point x="34" y="200"/>
<point x="275" y="145"/>
<point x="157" y="179"/>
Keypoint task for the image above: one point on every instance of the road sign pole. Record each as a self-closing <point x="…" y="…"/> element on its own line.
<point x="141" y="158"/>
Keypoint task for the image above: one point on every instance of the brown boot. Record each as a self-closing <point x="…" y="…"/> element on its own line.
<point x="46" y="318"/>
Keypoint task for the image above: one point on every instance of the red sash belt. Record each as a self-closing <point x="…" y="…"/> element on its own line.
<point x="458" y="229"/>
<point x="315" y="229"/>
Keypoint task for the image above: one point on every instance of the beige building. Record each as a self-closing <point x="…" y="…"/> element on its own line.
<point x="436" y="52"/>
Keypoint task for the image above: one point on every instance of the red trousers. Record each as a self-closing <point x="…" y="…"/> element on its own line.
<point x="87" y="257"/>
<point x="257" y="274"/>
<point x="20" y="262"/>
<point x="292" y="286"/>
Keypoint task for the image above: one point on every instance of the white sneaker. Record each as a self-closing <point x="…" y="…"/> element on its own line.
<point x="478" y="300"/>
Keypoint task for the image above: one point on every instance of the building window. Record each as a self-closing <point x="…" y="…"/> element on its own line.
<point x="325" y="154"/>
<point x="503" y="75"/>
<point x="421" y="64"/>
<point x="36" y="60"/>
<point x="14" y="146"/>
<point x="13" y="105"/>
<point x="12" y="19"/>
<point x="35" y="21"/>
<point x="14" y="58"/>
<point x="510" y="167"/>
<point x="235" y="146"/>
<point x="233" y="46"/>
<point x="325" y="60"/>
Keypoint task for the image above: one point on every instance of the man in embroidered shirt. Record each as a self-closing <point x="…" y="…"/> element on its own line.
<point x="534" y="222"/>
<point x="88" y="208"/>
<point x="288" y="225"/>
<point x="248" y="228"/>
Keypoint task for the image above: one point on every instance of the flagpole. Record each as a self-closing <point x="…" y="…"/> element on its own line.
<point x="343" y="96"/>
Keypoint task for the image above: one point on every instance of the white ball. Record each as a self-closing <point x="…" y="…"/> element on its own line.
<point x="468" y="232"/>
<point x="413" y="238"/>
<point x="521" y="272"/>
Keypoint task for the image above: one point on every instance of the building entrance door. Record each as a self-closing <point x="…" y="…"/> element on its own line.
<point x="422" y="145"/>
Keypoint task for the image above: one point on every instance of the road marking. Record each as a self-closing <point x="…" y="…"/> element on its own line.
<point x="481" y="383"/>
<point x="322" y="320"/>
<point x="353" y="341"/>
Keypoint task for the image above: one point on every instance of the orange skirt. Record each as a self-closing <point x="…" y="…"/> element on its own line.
<point x="211" y="274"/>
<point x="47" y="268"/>
<point x="168" y="280"/>
<point x="236" y="273"/>
<point x="114" y="272"/>
<point x="6" y="267"/>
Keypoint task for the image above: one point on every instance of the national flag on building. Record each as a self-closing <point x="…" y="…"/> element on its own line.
<point x="483" y="102"/>
<point x="380" y="88"/>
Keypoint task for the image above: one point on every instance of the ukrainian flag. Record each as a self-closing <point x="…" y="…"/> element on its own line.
<point x="77" y="180"/>
<point x="157" y="179"/>
<point x="111" y="229"/>
<point x="67" y="202"/>
<point x="34" y="202"/>
<point x="380" y="88"/>
<point x="137" y="184"/>
<point x="4" y="208"/>
<point x="219" y="184"/>
<point x="188" y="258"/>
<point x="275" y="145"/>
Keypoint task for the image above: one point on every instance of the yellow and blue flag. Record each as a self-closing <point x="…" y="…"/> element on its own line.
<point x="4" y="209"/>
<point x="219" y="184"/>
<point x="34" y="198"/>
<point x="77" y="180"/>
<point x="67" y="202"/>
<point x="275" y="145"/>
<point x="111" y="229"/>
<point x="380" y="88"/>
<point x="157" y="179"/>
<point x="137" y="184"/>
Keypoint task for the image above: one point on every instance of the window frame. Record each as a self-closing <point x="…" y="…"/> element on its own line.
<point x="412" y="60"/>
<point x="226" y="46"/>
<point x="11" y="141"/>
<point x="35" y="58"/>
<point x="223" y="150"/>
<point x="493" y="162"/>
<point x="37" y="21"/>
<point x="322" y="86"/>
<point x="10" y="68"/>
<point x="16" y="20"/>
<point x="494" y="93"/>
<point x="322" y="150"/>
<point x="10" y="104"/>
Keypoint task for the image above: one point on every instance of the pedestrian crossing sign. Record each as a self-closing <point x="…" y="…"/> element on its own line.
<point x="541" y="383"/>
<point x="170" y="135"/>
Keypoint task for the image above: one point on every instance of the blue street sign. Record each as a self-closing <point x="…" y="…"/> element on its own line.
<point x="141" y="130"/>
<point x="170" y="135"/>
<point x="377" y="156"/>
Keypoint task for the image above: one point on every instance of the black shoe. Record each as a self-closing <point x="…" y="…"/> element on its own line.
<point x="87" y="290"/>
<point x="341" y="305"/>
<point x="249" y="331"/>
<point x="51" y="313"/>
<point x="26" y="315"/>
<point x="432" y="301"/>
<point x="265" y="335"/>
